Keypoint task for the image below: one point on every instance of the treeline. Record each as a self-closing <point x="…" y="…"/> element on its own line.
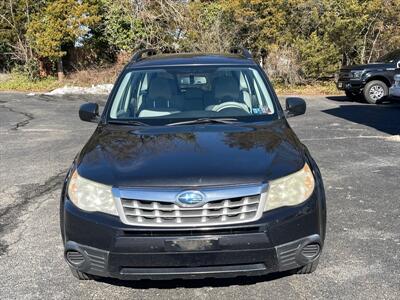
<point x="304" y="39"/>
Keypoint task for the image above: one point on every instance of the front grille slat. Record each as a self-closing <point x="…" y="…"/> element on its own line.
<point x="189" y="214"/>
<point x="225" y="211"/>
<point x="167" y="207"/>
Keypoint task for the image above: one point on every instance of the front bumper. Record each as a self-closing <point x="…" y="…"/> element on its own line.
<point x="350" y="85"/>
<point x="129" y="266"/>
<point x="273" y="243"/>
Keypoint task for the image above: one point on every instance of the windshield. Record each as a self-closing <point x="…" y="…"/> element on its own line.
<point x="393" y="56"/>
<point x="173" y="94"/>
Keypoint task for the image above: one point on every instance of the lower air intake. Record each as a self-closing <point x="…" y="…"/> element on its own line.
<point x="311" y="250"/>
<point x="75" y="258"/>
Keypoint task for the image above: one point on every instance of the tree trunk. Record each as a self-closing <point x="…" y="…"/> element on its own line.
<point x="60" y="69"/>
<point x="43" y="72"/>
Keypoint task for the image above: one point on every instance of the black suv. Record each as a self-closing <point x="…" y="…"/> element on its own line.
<point x="192" y="172"/>
<point x="371" y="81"/>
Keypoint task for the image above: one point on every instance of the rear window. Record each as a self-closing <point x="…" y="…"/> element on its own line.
<point x="192" y="80"/>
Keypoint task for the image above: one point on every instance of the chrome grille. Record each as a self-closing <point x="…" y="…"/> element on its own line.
<point x="159" y="208"/>
<point x="215" y="212"/>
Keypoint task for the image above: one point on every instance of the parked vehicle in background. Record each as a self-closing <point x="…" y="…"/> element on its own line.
<point x="371" y="81"/>
<point x="394" y="91"/>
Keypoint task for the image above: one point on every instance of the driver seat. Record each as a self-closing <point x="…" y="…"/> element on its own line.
<point x="225" y="89"/>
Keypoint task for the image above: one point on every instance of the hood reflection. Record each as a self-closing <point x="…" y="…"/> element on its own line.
<point x="190" y="156"/>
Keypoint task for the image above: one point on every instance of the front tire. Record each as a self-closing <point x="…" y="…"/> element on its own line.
<point x="375" y="91"/>
<point x="80" y="275"/>
<point x="308" y="268"/>
<point x="354" y="96"/>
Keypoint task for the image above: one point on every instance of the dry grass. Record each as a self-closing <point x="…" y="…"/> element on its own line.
<point x="109" y="74"/>
<point x="94" y="76"/>
<point x="21" y="83"/>
<point x="320" y="88"/>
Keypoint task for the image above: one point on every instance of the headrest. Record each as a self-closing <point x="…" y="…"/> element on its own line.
<point x="160" y="88"/>
<point x="226" y="88"/>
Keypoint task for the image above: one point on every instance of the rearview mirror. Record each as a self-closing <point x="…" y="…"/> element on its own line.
<point x="89" y="112"/>
<point x="295" y="107"/>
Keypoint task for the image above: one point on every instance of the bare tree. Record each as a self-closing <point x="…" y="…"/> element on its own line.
<point x="10" y="22"/>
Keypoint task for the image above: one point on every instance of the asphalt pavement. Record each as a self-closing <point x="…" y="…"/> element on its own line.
<point x="356" y="145"/>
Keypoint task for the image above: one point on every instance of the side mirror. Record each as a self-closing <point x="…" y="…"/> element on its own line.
<point x="295" y="107"/>
<point x="89" y="112"/>
<point x="398" y="65"/>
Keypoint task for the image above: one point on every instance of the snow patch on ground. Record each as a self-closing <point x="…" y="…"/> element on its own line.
<point x="94" y="89"/>
<point x="393" y="138"/>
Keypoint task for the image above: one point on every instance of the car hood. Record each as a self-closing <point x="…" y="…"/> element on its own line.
<point x="183" y="156"/>
<point x="371" y="66"/>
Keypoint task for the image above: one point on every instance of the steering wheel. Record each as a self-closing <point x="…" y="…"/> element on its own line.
<point x="231" y="104"/>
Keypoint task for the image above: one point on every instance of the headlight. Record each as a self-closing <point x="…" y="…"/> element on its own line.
<point x="357" y="74"/>
<point x="91" y="196"/>
<point x="290" y="190"/>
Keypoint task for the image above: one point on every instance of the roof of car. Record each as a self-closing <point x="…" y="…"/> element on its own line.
<point x="187" y="59"/>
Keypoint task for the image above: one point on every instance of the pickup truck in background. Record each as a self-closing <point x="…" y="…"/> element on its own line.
<point x="371" y="81"/>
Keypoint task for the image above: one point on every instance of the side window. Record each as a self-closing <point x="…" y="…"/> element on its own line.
<point x="243" y="82"/>
<point x="263" y="96"/>
<point x="246" y="90"/>
<point x="199" y="80"/>
<point x="190" y="81"/>
<point x="121" y="100"/>
<point x="259" y="96"/>
<point x="142" y="90"/>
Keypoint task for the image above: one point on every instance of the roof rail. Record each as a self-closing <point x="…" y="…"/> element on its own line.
<point x="139" y="54"/>
<point x="241" y="51"/>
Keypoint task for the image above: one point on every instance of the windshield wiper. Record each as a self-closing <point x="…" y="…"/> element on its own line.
<point x="128" y="122"/>
<point x="206" y="120"/>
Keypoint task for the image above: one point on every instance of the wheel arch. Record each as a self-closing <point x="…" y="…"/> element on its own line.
<point x="379" y="78"/>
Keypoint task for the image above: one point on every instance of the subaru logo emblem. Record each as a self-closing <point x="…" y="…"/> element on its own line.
<point x="190" y="198"/>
